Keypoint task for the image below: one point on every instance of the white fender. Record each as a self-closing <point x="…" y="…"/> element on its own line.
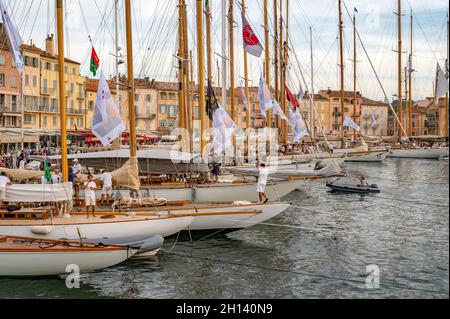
<point x="41" y="230"/>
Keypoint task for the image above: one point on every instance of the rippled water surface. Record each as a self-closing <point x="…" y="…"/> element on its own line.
<point x="319" y="248"/>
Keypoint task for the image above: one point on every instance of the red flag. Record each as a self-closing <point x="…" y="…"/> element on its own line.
<point x="291" y="98"/>
<point x="251" y="42"/>
<point x="95" y="62"/>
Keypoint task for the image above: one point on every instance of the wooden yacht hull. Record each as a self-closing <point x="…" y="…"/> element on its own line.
<point x="432" y="153"/>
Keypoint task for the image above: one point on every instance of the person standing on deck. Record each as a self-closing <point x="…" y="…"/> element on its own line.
<point x="89" y="195"/>
<point x="76" y="168"/>
<point x="4" y="180"/>
<point x="262" y="181"/>
<point x="106" y="178"/>
<point x="22" y="163"/>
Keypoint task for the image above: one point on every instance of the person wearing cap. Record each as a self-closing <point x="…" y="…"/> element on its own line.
<point x="262" y="181"/>
<point x="106" y="178"/>
<point x="76" y="168"/>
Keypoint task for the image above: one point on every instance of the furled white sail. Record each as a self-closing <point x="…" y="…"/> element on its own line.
<point x="36" y="193"/>
<point x="14" y="38"/>
<point x="107" y="124"/>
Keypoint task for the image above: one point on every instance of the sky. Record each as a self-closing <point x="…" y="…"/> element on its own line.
<point x="155" y="23"/>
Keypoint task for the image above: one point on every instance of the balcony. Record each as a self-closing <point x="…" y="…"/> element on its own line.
<point x="47" y="91"/>
<point x="9" y="109"/>
<point x="144" y="115"/>
<point x="31" y="108"/>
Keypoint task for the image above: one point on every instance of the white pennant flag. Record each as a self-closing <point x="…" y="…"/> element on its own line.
<point x="374" y="121"/>
<point x="224" y="128"/>
<point x="265" y="99"/>
<point x="350" y="123"/>
<point x="277" y="110"/>
<point x="296" y="121"/>
<point x="107" y="124"/>
<point x="14" y="38"/>
<point x="441" y="84"/>
<point x="301" y="93"/>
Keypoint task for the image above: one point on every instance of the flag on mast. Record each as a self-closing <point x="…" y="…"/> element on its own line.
<point x="301" y="93"/>
<point x="265" y="99"/>
<point x="441" y="84"/>
<point x="291" y="98"/>
<point x="14" y="38"/>
<point x="348" y="122"/>
<point x="95" y="62"/>
<point x="224" y="128"/>
<point x="296" y="121"/>
<point x="107" y="125"/>
<point x="251" y="42"/>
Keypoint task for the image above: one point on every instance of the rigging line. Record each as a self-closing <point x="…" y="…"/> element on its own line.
<point x="279" y="270"/>
<point x="34" y="22"/>
<point x="84" y="21"/>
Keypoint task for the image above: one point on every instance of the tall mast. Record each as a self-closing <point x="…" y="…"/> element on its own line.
<point x="62" y="91"/>
<point x="341" y="53"/>
<point x="201" y="74"/>
<point x="354" y="72"/>
<point x="130" y="75"/>
<point x="311" y="103"/>
<point x="280" y="60"/>
<point x="399" y="66"/>
<point x="208" y="41"/>
<point x="247" y="92"/>
<point x="224" y="53"/>
<point x="275" y="47"/>
<point x="410" y="76"/>
<point x="446" y="94"/>
<point x="187" y="80"/>
<point x="116" y="36"/>
<point x="285" y="62"/>
<point x="231" y="36"/>
<point x="191" y="87"/>
<point x="267" y="65"/>
<point x="181" y="97"/>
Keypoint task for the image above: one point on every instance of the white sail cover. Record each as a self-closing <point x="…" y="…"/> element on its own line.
<point x="441" y="83"/>
<point x="107" y="124"/>
<point x="348" y="122"/>
<point x="35" y="193"/>
<point x="14" y="38"/>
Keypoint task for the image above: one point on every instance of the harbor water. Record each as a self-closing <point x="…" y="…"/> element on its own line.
<point x="325" y="245"/>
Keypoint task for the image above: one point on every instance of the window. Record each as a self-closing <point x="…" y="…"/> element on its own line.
<point x="2" y="59"/>
<point x="66" y="69"/>
<point x="45" y="120"/>
<point x="45" y="86"/>
<point x="72" y="87"/>
<point x="2" y="79"/>
<point x="74" y="71"/>
<point x="34" y="81"/>
<point x="72" y="122"/>
<point x="54" y="105"/>
<point x="162" y="123"/>
<point x="80" y="107"/>
<point x="91" y="105"/>
<point x="54" y="120"/>
<point x="13" y="81"/>
<point x="27" y="119"/>
<point x="163" y="109"/>
<point x="54" y="85"/>
<point x="148" y="97"/>
<point x="55" y="67"/>
<point x="35" y="62"/>
<point x="71" y="106"/>
<point x="136" y="97"/>
<point x="27" y="79"/>
<point x="13" y="103"/>
<point x="80" y="122"/>
<point x="48" y="66"/>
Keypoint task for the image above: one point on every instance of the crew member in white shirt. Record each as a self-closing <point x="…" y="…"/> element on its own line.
<point x="89" y="195"/>
<point x="106" y="178"/>
<point x="262" y="181"/>
<point x="4" y="180"/>
<point x="56" y="178"/>
<point x="76" y="168"/>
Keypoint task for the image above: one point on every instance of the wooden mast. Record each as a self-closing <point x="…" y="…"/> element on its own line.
<point x="201" y="74"/>
<point x="181" y="96"/>
<point x="130" y="76"/>
<point x="410" y="77"/>
<point x="275" y="48"/>
<point x="341" y="53"/>
<point x="354" y="72"/>
<point x="208" y="42"/>
<point x="190" y="94"/>
<point x="285" y="62"/>
<point x="280" y="61"/>
<point x="187" y="81"/>
<point x="399" y="68"/>
<point x="231" y="41"/>
<point x="446" y="94"/>
<point x="247" y="91"/>
<point x="62" y="91"/>
<point x="267" y="65"/>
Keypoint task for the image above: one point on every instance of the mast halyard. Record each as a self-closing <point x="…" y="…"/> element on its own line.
<point x="130" y="76"/>
<point x="62" y="91"/>
<point x="275" y="49"/>
<point x="231" y="41"/>
<point x="116" y="36"/>
<point x="285" y="63"/>
<point x="247" y="91"/>
<point x="312" y="117"/>
<point x="224" y="54"/>
<point x="341" y="53"/>
<point x="181" y="88"/>
<point x="354" y="72"/>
